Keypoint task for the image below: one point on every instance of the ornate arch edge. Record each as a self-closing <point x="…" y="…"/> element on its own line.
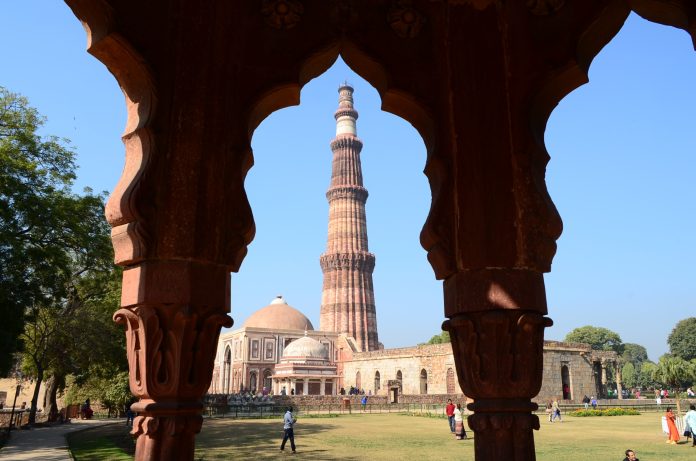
<point x="129" y="233"/>
<point x="575" y="74"/>
<point x="394" y="101"/>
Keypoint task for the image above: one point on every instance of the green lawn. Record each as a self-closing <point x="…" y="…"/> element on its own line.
<point x="410" y="438"/>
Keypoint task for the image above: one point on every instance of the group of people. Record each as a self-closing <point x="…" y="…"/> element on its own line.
<point x="553" y="410"/>
<point x="587" y="401"/>
<point x="671" y="430"/>
<point x="455" y="418"/>
<point x="353" y="391"/>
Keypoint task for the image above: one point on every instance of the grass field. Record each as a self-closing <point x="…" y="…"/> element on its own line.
<point x="411" y="438"/>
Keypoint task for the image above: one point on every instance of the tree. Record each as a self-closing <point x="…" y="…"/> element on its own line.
<point x="682" y="339"/>
<point x="59" y="333"/>
<point x="629" y="375"/>
<point x="645" y="375"/>
<point x="35" y="172"/>
<point x="442" y="338"/>
<point x="56" y="260"/>
<point x="634" y="353"/>
<point x="597" y="337"/>
<point x="673" y="372"/>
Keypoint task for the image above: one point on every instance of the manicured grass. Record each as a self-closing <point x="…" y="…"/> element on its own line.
<point x="405" y="438"/>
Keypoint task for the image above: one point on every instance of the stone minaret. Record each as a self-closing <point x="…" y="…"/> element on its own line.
<point x="348" y="299"/>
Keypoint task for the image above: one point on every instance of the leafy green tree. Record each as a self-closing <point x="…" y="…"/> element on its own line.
<point x="442" y="338"/>
<point x="57" y="276"/>
<point x="35" y="175"/>
<point x="682" y="339"/>
<point x="597" y="337"/>
<point x="59" y="333"/>
<point x="634" y="353"/>
<point x="645" y="375"/>
<point x="675" y="373"/>
<point x="629" y="375"/>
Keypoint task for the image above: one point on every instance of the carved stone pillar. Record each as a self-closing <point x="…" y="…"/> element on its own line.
<point x="619" y="384"/>
<point x="322" y="390"/>
<point x="603" y="364"/>
<point x="173" y="312"/>
<point x="499" y="355"/>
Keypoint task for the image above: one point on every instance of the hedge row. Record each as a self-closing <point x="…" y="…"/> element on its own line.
<point x="605" y="412"/>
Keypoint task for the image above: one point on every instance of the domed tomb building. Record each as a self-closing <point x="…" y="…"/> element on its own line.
<point x="277" y="347"/>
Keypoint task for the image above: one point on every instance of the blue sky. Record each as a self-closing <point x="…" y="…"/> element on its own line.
<point x="621" y="174"/>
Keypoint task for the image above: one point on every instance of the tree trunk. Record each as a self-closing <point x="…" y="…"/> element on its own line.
<point x="35" y="397"/>
<point x="50" y="403"/>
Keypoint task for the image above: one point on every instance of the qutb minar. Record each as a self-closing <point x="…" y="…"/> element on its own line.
<point x="348" y="299"/>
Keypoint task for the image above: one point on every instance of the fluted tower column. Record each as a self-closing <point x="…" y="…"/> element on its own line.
<point x="348" y="300"/>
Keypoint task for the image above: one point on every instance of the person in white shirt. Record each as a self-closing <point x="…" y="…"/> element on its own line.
<point x="288" y="424"/>
<point x="690" y="423"/>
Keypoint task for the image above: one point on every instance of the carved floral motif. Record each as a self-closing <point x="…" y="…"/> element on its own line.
<point x="170" y="350"/>
<point x="404" y="19"/>
<point x="282" y="14"/>
<point x="500" y="352"/>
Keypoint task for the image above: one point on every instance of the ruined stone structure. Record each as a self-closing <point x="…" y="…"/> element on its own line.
<point x="478" y="79"/>
<point x="348" y="298"/>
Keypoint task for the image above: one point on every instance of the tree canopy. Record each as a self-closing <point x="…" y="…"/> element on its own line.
<point x="35" y="227"/>
<point x="442" y="338"/>
<point x="682" y="339"/>
<point x="598" y="338"/>
<point x="58" y="283"/>
<point x="634" y="353"/>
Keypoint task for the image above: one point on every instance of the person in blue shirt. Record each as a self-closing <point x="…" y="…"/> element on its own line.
<point x="364" y="402"/>
<point x="288" y="424"/>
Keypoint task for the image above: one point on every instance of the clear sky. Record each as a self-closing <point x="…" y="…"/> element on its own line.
<point x="623" y="161"/>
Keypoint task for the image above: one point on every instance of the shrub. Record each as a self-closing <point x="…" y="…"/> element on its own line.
<point x="605" y="412"/>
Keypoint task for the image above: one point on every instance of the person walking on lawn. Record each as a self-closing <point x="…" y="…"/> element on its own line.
<point x="288" y="430"/>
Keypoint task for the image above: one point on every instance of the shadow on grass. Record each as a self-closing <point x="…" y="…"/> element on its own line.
<point x="237" y="439"/>
<point x="110" y="442"/>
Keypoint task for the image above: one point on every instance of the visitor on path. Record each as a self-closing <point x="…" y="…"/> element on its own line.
<point x="630" y="456"/>
<point x="449" y="411"/>
<point x="130" y="415"/>
<point x="690" y="393"/>
<point x="690" y="423"/>
<point x="549" y="410"/>
<point x="586" y="401"/>
<point x="672" y="427"/>
<point x="288" y="430"/>
<point x="555" y="411"/>
<point x="363" y="402"/>
<point x="86" y="410"/>
<point x="459" y="431"/>
<point x="593" y="402"/>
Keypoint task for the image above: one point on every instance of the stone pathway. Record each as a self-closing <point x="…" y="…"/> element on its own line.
<point x="45" y="443"/>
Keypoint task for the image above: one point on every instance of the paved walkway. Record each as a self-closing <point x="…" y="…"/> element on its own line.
<point x="45" y="443"/>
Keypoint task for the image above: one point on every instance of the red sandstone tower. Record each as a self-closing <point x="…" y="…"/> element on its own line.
<point x="348" y="299"/>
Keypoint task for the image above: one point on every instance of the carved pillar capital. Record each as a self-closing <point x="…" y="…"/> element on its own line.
<point x="173" y="312"/>
<point x="496" y="327"/>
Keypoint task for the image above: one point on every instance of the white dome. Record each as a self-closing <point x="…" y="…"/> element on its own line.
<point x="305" y="348"/>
